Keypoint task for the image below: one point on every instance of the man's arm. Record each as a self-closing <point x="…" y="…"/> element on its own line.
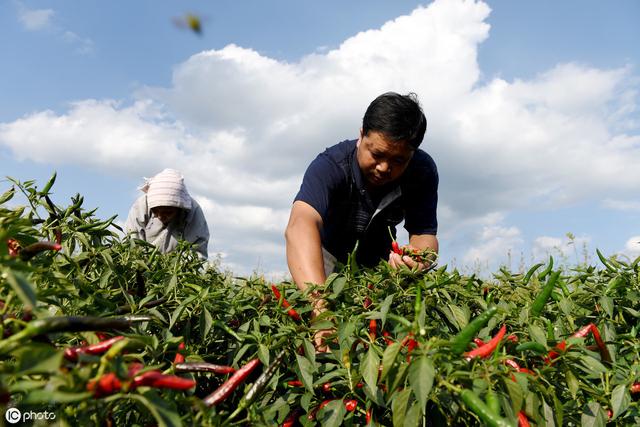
<point x="419" y="242"/>
<point x="304" y="247"/>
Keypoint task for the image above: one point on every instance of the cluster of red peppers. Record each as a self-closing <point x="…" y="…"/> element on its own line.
<point x="291" y="312"/>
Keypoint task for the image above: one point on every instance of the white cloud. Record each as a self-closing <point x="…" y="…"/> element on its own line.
<point x="565" y="248"/>
<point x="493" y="244"/>
<point x="622" y="205"/>
<point x="42" y="19"/>
<point x="34" y="19"/>
<point x="632" y="247"/>
<point x="84" y="45"/>
<point x="242" y="127"/>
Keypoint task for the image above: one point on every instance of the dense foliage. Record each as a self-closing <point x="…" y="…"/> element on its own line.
<point x="409" y="348"/>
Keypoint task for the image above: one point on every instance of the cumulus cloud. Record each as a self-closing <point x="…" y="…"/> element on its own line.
<point x="494" y="243"/>
<point x="242" y="127"/>
<point x="632" y="247"/>
<point x="566" y="248"/>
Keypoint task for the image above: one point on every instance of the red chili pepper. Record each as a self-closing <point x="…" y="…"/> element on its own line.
<point x="157" y="379"/>
<point x="291" y="312"/>
<point x="72" y="353"/>
<point x="489" y="347"/>
<point x="14" y="247"/>
<point x="396" y="248"/>
<point x="326" y="388"/>
<point x="523" y="421"/>
<point x="225" y="390"/>
<point x="179" y="356"/>
<point x="295" y="383"/>
<point x="367" y="302"/>
<point x="312" y="415"/>
<point x="30" y="251"/>
<point x="478" y="342"/>
<point x="582" y="333"/>
<point x="106" y="385"/>
<point x="411" y="344"/>
<point x="512" y="338"/>
<point x="373" y="329"/>
<point x="351" y="405"/>
<point x="635" y="388"/>
<point x="203" y="367"/>
<point x="368" y="416"/>
<point x="512" y="363"/>
<point x="290" y="421"/>
<point x="387" y="336"/>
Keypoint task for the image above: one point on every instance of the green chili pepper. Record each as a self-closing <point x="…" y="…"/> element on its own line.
<point x="604" y="261"/>
<point x="492" y="401"/>
<point x="547" y="270"/>
<point x="532" y="270"/>
<point x="461" y="341"/>
<point x="49" y="184"/>
<point x="478" y="407"/>
<point x="96" y="226"/>
<point x="536" y="347"/>
<point x="541" y="299"/>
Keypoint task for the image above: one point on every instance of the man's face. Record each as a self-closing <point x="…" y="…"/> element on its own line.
<point x="382" y="160"/>
<point x="166" y="214"/>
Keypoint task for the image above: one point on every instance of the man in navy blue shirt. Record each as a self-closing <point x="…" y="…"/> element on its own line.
<point x="359" y="190"/>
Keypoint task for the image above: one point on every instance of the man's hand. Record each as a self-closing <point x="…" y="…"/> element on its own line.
<point x="321" y="335"/>
<point x="398" y="261"/>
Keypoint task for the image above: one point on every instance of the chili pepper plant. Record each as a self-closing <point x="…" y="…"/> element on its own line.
<point x="103" y="329"/>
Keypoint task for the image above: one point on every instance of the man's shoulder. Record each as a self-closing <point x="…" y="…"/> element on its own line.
<point x="422" y="163"/>
<point x="340" y="151"/>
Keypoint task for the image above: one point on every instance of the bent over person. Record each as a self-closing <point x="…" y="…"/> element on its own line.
<point x="166" y="214"/>
<point x="359" y="190"/>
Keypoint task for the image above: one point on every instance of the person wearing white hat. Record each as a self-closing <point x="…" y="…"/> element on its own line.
<point x="166" y="214"/>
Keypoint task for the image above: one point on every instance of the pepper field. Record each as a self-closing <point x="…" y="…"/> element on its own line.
<point x="184" y="344"/>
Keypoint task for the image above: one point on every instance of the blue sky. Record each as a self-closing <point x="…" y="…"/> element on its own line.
<point x="532" y="108"/>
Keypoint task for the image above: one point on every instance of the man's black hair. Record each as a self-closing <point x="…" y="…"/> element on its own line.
<point x="397" y="117"/>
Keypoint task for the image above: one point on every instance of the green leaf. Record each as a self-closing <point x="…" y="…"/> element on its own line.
<point x="515" y="393"/>
<point x="572" y="383"/>
<point x="388" y="358"/>
<point x="593" y="415"/>
<point x="592" y="365"/>
<point x="338" y="285"/>
<point x="548" y="414"/>
<point x="23" y="289"/>
<point x="44" y="396"/>
<point x="460" y="315"/>
<point x="399" y="406"/>
<point x="537" y="334"/>
<point x="305" y="372"/>
<point x="620" y="400"/>
<point x="369" y="369"/>
<point x="309" y="352"/>
<point x="7" y="195"/>
<point x="384" y="308"/>
<point x="421" y="375"/>
<point x="165" y="415"/>
<point x="208" y="322"/>
<point x="36" y="358"/>
<point x="263" y="354"/>
<point x="332" y="414"/>
<point x="413" y="416"/>
<point x="607" y="305"/>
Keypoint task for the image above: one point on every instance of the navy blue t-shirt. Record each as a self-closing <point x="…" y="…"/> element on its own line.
<point x="335" y="187"/>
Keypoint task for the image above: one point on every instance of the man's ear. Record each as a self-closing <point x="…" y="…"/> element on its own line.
<point x="360" y="138"/>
